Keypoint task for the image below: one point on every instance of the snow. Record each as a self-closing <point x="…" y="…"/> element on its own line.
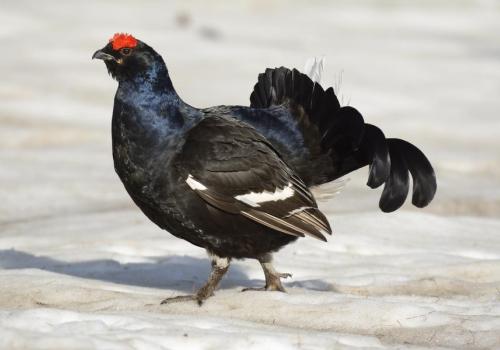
<point x="82" y="268"/>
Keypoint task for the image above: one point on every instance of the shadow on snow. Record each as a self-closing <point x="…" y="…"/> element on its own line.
<point x="182" y="273"/>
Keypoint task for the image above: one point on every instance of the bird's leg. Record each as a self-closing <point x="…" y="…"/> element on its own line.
<point x="219" y="268"/>
<point x="273" y="278"/>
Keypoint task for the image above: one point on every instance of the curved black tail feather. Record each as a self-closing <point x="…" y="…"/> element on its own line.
<point x="397" y="184"/>
<point x="340" y="135"/>
<point x="424" y="178"/>
<point x="375" y="148"/>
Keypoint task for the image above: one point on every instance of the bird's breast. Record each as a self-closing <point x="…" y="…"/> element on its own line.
<point x="142" y="158"/>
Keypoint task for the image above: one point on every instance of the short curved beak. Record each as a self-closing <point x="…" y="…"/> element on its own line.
<point x="103" y="56"/>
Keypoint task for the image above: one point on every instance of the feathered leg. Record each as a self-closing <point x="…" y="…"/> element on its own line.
<point x="219" y="268"/>
<point x="273" y="278"/>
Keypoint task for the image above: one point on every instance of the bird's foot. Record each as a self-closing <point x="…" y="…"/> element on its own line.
<point x="219" y="268"/>
<point x="267" y="288"/>
<point x="273" y="283"/>
<point x="178" y="299"/>
<point x="254" y="289"/>
<point x="199" y="297"/>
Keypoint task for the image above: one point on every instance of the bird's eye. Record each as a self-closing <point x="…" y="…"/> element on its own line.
<point x="126" y="51"/>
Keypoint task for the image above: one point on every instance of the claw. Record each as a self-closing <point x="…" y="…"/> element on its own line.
<point x="199" y="298"/>
<point x="276" y="287"/>
<point x="254" y="289"/>
<point x="270" y="288"/>
<point x="284" y="275"/>
<point x="180" y="298"/>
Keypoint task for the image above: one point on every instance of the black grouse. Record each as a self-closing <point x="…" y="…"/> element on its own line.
<point x="236" y="180"/>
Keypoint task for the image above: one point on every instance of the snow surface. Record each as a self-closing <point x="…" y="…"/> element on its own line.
<point x="82" y="268"/>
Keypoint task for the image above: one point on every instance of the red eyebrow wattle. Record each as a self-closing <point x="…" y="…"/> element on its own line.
<point x="121" y="40"/>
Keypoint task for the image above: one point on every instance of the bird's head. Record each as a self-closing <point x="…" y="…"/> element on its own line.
<point x="128" y="58"/>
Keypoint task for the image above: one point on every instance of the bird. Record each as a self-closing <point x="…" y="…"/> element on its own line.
<point x="238" y="180"/>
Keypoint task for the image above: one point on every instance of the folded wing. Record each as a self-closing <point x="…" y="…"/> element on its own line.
<point x="235" y="170"/>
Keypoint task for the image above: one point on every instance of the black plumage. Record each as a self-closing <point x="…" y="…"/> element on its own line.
<point x="338" y="141"/>
<point x="235" y="180"/>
